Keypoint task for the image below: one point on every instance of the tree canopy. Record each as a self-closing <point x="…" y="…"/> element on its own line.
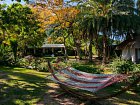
<point x="20" y="28"/>
<point x="82" y="21"/>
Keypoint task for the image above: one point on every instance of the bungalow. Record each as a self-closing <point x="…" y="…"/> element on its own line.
<point x="47" y="49"/>
<point x="53" y="47"/>
<point x="130" y="49"/>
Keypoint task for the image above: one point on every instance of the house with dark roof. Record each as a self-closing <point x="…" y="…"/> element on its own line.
<point x="130" y="49"/>
<point x="48" y="49"/>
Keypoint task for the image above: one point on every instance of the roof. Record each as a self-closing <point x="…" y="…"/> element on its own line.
<point x="135" y="43"/>
<point x="53" y="46"/>
<point x="123" y="44"/>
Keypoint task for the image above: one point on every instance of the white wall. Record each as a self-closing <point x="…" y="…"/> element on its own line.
<point x="129" y="54"/>
<point x="126" y="53"/>
<point x="133" y="55"/>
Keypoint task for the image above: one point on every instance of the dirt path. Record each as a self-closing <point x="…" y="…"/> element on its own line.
<point x="55" y="96"/>
<point x="66" y="99"/>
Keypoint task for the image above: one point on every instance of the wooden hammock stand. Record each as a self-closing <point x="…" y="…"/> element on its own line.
<point x="94" y="98"/>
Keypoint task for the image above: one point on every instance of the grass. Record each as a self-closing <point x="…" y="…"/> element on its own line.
<point x="131" y="97"/>
<point x="19" y="86"/>
<point x="87" y="67"/>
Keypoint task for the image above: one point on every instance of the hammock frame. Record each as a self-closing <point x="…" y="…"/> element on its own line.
<point x="94" y="97"/>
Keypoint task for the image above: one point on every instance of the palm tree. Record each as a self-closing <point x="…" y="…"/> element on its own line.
<point x="88" y="23"/>
<point x="112" y="16"/>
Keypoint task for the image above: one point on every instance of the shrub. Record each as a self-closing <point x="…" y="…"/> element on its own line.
<point x="31" y="62"/>
<point x="89" y="68"/>
<point x="24" y="62"/>
<point x="60" y="65"/>
<point x="123" y="66"/>
<point x="28" y="61"/>
<point x="43" y="66"/>
<point x="6" y="57"/>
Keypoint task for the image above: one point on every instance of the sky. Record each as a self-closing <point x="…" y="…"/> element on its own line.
<point x="10" y="1"/>
<point x="22" y="2"/>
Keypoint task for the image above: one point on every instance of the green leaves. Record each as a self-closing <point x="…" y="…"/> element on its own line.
<point x="14" y="45"/>
<point x="124" y="66"/>
<point x="22" y="25"/>
<point x="19" y="28"/>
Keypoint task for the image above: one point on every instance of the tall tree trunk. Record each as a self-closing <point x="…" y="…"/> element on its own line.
<point x="86" y="51"/>
<point x="96" y="44"/>
<point x="77" y="45"/>
<point x="108" y="52"/>
<point x="78" y="50"/>
<point x="104" y="48"/>
<point x="90" y="48"/>
<point x="14" y="46"/>
<point x="65" y="49"/>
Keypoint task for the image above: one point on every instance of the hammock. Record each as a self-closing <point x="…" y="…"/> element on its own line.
<point x="71" y="77"/>
<point x="85" y="81"/>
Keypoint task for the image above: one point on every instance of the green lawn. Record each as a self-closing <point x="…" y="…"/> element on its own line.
<point x="21" y="86"/>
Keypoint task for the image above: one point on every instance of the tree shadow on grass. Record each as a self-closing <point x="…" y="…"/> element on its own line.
<point x="126" y="98"/>
<point x="130" y="98"/>
<point x="25" y="89"/>
<point x="28" y="88"/>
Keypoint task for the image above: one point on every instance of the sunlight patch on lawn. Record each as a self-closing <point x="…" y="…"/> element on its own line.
<point x="134" y="102"/>
<point x="27" y="87"/>
<point x="53" y="85"/>
<point x="20" y="86"/>
<point x="17" y="68"/>
<point x="14" y="77"/>
<point x="130" y="92"/>
<point x="126" y="99"/>
<point x="22" y="102"/>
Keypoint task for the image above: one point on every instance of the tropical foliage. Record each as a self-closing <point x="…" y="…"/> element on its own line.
<point x="85" y="27"/>
<point x="79" y="24"/>
<point x="19" y="28"/>
<point x="85" y="20"/>
<point x="124" y="66"/>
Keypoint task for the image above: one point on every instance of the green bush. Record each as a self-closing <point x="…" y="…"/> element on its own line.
<point x="24" y="62"/>
<point x="31" y="62"/>
<point x="137" y="67"/>
<point x="89" y="68"/>
<point x="28" y="62"/>
<point x="43" y="66"/>
<point x="123" y="66"/>
<point x="60" y="65"/>
<point x="6" y="57"/>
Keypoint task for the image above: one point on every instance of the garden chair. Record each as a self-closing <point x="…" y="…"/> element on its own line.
<point x="70" y="79"/>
